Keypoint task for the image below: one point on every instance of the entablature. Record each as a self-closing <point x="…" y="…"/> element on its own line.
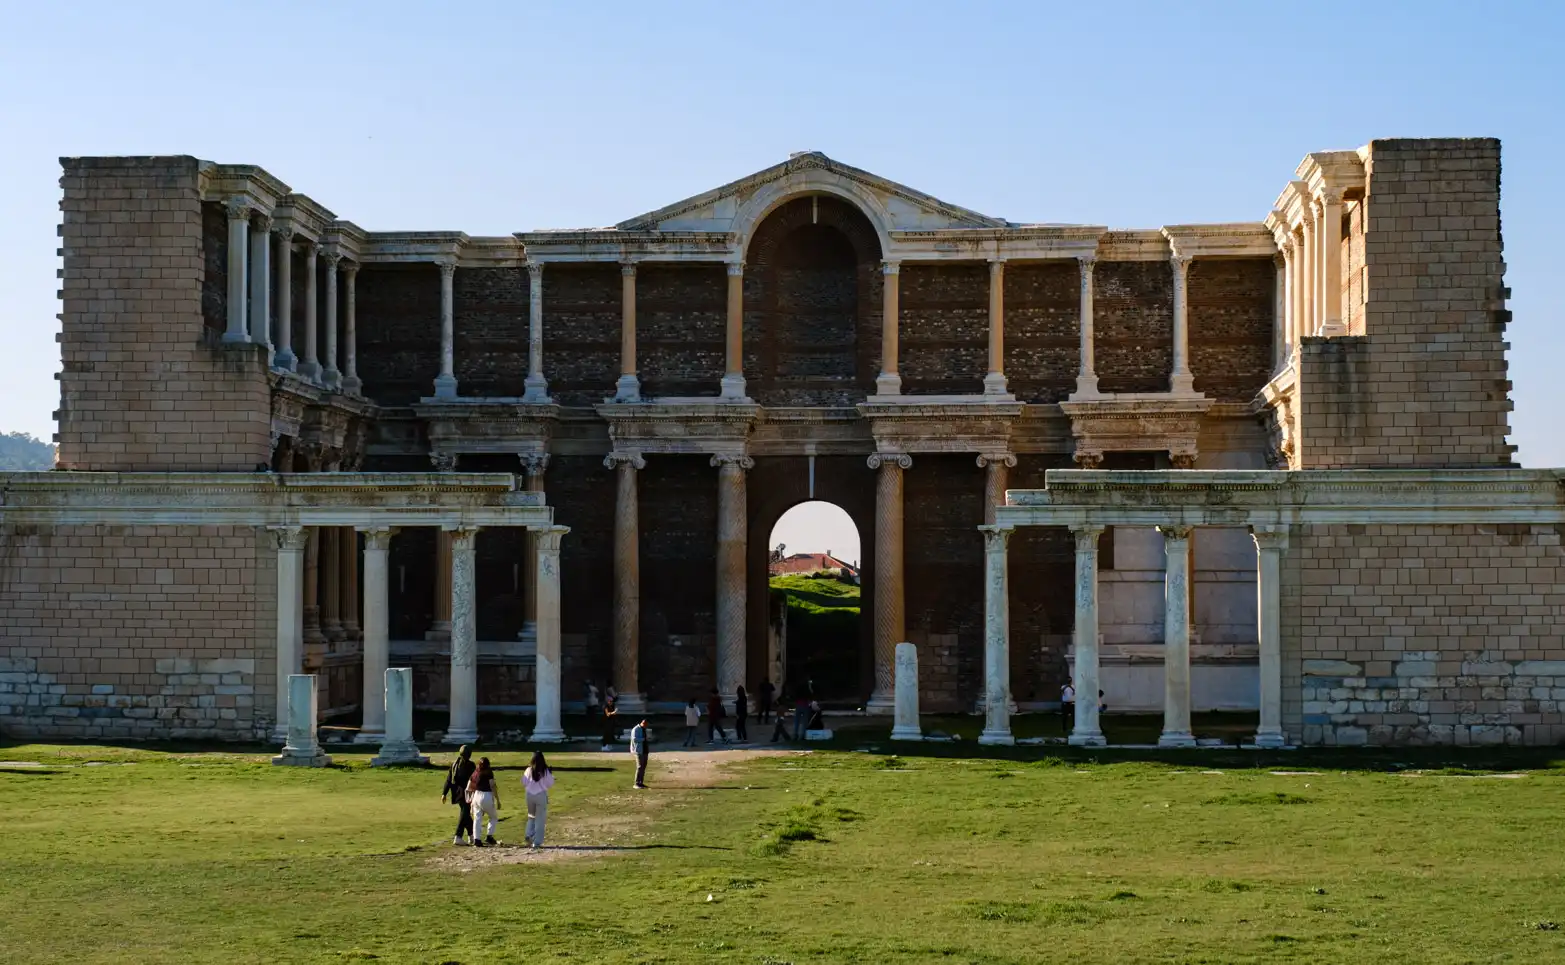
<point x="914" y="424"/>
<point x="680" y="426"/>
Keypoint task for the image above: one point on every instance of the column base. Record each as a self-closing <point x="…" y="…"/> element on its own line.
<point x="310" y="370"/>
<point x="403" y="753"/>
<point x="906" y="734"/>
<point x="460" y="737"/>
<point x="627" y="389"/>
<point x="881" y="705"/>
<point x="353" y="385"/>
<point x="1180" y="739"/>
<point x="302" y="757"/>
<point x="733" y="388"/>
<point x="1265" y="738"/>
<point x="1181" y="383"/>
<point x="370" y="737"/>
<point x="536" y="390"/>
<point x="279" y="735"/>
<point x="445" y="387"/>
<point x="1086" y="388"/>
<point x="285" y="360"/>
<point x="555" y="736"/>
<point x="331" y="378"/>
<point x="994" y="384"/>
<point x="1087" y="740"/>
<point x="1333" y="328"/>
<point x="235" y="338"/>
<point x="637" y="703"/>
<point x="996" y="738"/>
<point x="888" y="383"/>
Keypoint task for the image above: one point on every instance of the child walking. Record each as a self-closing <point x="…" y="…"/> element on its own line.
<point x="692" y="723"/>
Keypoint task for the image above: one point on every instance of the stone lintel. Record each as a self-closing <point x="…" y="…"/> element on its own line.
<point x="1135" y="423"/>
<point x="495" y="425"/>
<point x="940" y="424"/>
<point x="680" y="426"/>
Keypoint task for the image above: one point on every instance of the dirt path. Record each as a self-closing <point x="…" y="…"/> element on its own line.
<point x="618" y="822"/>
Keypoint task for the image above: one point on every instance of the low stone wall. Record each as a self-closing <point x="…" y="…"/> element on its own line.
<point x="203" y="699"/>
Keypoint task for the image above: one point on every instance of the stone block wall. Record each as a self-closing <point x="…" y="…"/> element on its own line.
<point x="1425" y="386"/>
<point x="1424" y="635"/>
<point x="145" y="383"/>
<point x="137" y="632"/>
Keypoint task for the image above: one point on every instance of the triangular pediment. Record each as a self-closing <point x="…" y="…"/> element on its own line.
<point x="734" y="206"/>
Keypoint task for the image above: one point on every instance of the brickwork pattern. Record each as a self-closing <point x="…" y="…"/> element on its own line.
<point x="678" y="576"/>
<point x="1133" y="325"/>
<point x="581" y="318"/>
<point x="943" y="560"/>
<point x="943" y="328"/>
<point x="489" y="340"/>
<point x="1042" y="330"/>
<point x="681" y="321"/>
<point x="398" y="322"/>
<point x="1231" y="313"/>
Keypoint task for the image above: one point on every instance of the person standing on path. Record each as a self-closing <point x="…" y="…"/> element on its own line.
<point x="714" y="718"/>
<point x="780" y="729"/>
<point x="485" y="795"/>
<point x="536" y="781"/>
<point x="766" y="699"/>
<point x="638" y="747"/>
<point x="1067" y="706"/>
<point x="692" y="723"/>
<point x="741" y="712"/>
<point x="609" y="737"/>
<point x="456" y="786"/>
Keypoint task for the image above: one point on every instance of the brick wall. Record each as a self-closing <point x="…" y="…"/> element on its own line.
<point x="1232" y="311"/>
<point x="1424" y="635"/>
<point x="943" y="328"/>
<point x="582" y="494"/>
<point x="581" y="319"/>
<point x="1042" y="330"/>
<point x="1426" y="385"/>
<point x="1041" y="580"/>
<point x="146" y="384"/>
<point x="678" y="576"/>
<point x="137" y="632"/>
<point x="943" y="560"/>
<point x="398" y="331"/>
<point x="1133" y="325"/>
<point x="490" y="331"/>
<point x="681" y="320"/>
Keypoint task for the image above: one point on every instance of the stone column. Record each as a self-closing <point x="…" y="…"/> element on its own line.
<point x="997" y="632"/>
<point x="1176" y="638"/>
<point x="1181" y="382"/>
<point x="302" y="749"/>
<point x="348" y="608"/>
<point x="906" y="727"/>
<point x="312" y="586"/>
<point x="994" y="381"/>
<point x="440" y="629"/>
<point x="1279" y="311"/>
<point x="332" y="376"/>
<point x="331" y="583"/>
<point x="238" y="268"/>
<point x="1311" y="249"/>
<point x="732" y="533"/>
<point x="1270" y="541"/>
<point x="890" y="611"/>
<point x="889" y="382"/>
<point x="627" y="578"/>
<point x="1088" y="731"/>
<point x="291" y="541"/>
<point x="1332" y="324"/>
<point x="310" y="368"/>
<point x="1285" y="301"/>
<point x="733" y="386"/>
<point x="377" y="629"/>
<point x="547" y="728"/>
<point x="628" y="388"/>
<point x="534" y="465"/>
<point x="350" y="380"/>
<point x="536" y="386"/>
<point x="261" y="281"/>
<point x="284" y="359"/>
<point x="398" y="747"/>
<point x="1087" y="377"/>
<point x="997" y="466"/>
<point x="1297" y="310"/>
<point x="445" y="382"/>
<point x="463" y="704"/>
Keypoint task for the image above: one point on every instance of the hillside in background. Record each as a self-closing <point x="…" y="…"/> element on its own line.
<point x="21" y="452"/>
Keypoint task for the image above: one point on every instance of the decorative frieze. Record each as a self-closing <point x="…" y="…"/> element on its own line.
<point x="1135" y="423"/>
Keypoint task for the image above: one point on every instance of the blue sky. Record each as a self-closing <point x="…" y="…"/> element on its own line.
<point x="492" y="119"/>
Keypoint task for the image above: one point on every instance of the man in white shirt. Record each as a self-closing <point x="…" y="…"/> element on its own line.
<point x="1067" y="707"/>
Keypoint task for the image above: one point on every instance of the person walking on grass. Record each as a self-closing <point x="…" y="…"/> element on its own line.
<point x="692" y="723"/>
<point x="767" y="690"/>
<point x="638" y="747"/>
<point x="485" y="795"/>
<point x="456" y="787"/>
<point x="536" y="781"/>
<point x="714" y="718"/>
<point x="780" y="729"/>
<point x="741" y="712"/>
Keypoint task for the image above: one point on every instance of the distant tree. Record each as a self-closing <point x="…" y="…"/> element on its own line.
<point x="20" y="452"/>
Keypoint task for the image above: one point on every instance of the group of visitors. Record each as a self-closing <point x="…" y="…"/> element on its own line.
<point x="475" y="791"/>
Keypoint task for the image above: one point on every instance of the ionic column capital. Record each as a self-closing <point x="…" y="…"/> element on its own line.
<point x="726" y="460"/>
<point x="533" y="463"/>
<point x="1269" y="536"/>
<point x="447" y="269"/>
<point x="331" y="254"/>
<point x="634" y="460"/>
<point x="996" y="266"/>
<point x="1181" y="264"/>
<point x="283" y="228"/>
<point x="263" y="222"/>
<point x="378" y="537"/>
<point x="1006" y="459"/>
<point x="890" y="460"/>
<point x="548" y="538"/>
<point x="1087" y="537"/>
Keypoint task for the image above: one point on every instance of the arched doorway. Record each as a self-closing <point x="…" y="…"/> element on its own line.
<point x="815" y="602"/>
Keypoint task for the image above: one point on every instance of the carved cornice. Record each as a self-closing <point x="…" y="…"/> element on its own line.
<point x="497" y="426"/>
<point x="917" y="424"/>
<point x="692" y="426"/>
<point x="1126" y="423"/>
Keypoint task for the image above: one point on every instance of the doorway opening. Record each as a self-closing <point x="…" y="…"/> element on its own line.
<point x="815" y="581"/>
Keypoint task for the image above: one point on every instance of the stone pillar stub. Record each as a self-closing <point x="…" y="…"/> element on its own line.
<point x="906" y="727"/>
<point x="997" y="650"/>
<point x="302" y="749"/>
<point x="1087" y="730"/>
<point x="398" y="747"/>
<point x="890" y="609"/>
<point x="1176" y="638"/>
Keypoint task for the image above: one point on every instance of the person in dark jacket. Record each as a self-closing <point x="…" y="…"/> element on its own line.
<point x="714" y="718"/>
<point x="767" y="690"/>
<point x="741" y="713"/>
<point x="456" y="786"/>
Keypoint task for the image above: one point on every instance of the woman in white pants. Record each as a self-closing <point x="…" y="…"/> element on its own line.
<point x="536" y="781"/>
<point x="485" y="795"/>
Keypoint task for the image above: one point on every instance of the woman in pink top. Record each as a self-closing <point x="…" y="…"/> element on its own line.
<point x="536" y="781"/>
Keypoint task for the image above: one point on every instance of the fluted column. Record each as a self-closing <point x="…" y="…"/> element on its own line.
<point x="1088" y="731"/>
<point x="1176" y="638"/>
<point x="291" y="541"/>
<point x="445" y="382"/>
<point x="331" y="376"/>
<point x="348" y="609"/>
<point x="1285" y="302"/>
<point x="994" y="381"/>
<point x="312" y="578"/>
<point x="732" y="532"/>
<point x="890" y="610"/>
<point x="1279" y="310"/>
<point x="1270" y="541"/>
<point x="534" y="466"/>
<point x="536" y="386"/>
<point x="1311" y="318"/>
<point x="440" y="629"/>
<point x="889" y="382"/>
<point x="285" y="358"/>
<point x="546" y="728"/>
<point x="377" y="623"/>
<point x="238" y="269"/>
<point x="627" y="578"/>
<point x="350" y="380"/>
<point x="996" y="468"/>
<point x="628" y="389"/>
<point x="1087" y="376"/>
<point x="1298" y="324"/>
<point x="733" y="386"/>
<point x="331" y="583"/>
<point x="1332" y="323"/>
<point x="261" y="281"/>
<point x="997" y="646"/>
<point x="310" y="368"/>
<point x="463" y="703"/>
<point x="1180" y="381"/>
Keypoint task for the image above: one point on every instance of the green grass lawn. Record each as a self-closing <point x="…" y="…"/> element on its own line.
<point x="1029" y="855"/>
